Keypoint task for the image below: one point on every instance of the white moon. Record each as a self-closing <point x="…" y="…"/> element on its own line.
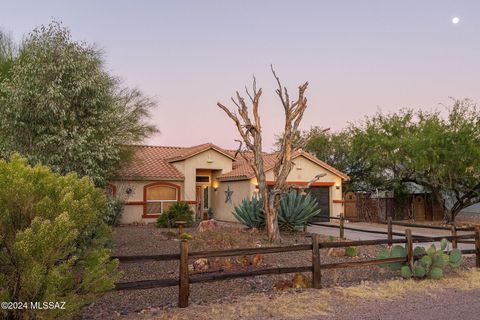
<point x="455" y="20"/>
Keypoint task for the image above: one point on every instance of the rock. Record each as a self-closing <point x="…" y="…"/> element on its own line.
<point x="300" y="281"/>
<point x="190" y="268"/>
<point x="244" y="261"/>
<point x="336" y="252"/>
<point x="201" y="265"/>
<point x="253" y="231"/>
<point x="257" y="260"/>
<point x="282" y="285"/>
<point x="207" y="225"/>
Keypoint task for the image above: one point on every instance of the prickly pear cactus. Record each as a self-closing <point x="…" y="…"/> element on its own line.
<point x="431" y="262"/>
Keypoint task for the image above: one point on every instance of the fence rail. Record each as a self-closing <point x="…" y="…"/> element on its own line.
<point x="185" y="279"/>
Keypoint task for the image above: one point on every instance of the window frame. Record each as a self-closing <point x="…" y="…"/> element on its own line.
<point x="146" y="202"/>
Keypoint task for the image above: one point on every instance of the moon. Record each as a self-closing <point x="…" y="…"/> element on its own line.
<point x="455" y="20"/>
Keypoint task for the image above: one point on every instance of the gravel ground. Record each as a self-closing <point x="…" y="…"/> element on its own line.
<point x="134" y="240"/>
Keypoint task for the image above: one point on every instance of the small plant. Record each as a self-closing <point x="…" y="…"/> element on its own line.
<point x="178" y="211"/>
<point x="210" y="213"/>
<point x="351" y="251"/>
<point x="186" y="236"/>
<point x="431" y="262"/>
<point x="296" y="210"/>
<point x="114" y="211"/>
<point x="250" y="213"/>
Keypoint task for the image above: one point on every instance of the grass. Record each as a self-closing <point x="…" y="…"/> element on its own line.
<point x="314" y="303"/>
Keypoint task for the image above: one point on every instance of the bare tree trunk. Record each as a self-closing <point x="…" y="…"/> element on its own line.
<point x="250" y="132"/>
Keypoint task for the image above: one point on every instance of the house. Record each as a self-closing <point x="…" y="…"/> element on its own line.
<point x="209" y="177"/>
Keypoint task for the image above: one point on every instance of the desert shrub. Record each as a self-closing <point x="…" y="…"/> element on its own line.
<point x="250" y="213"/>
<point x="431" y="262"/>
<point x="179" y="211"/>
<point x="52" y="240"/>
<point x="223" y="238"/>
<point x="114" y="211"/>
<point x="296" y="210"/>
<point x="351" y="251"/>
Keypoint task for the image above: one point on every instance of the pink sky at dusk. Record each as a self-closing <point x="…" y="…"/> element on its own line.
<point x="358" y="56"/>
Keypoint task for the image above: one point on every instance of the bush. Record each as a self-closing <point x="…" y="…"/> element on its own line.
<point x="250" y="213"/>
<point x="114" y="211"/>
<point x="296" y="210"/>
<point x="53" y="240"/>
<point x="179" y="211"/>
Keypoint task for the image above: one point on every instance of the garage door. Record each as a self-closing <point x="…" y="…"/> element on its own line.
<point x="322" y="194"/>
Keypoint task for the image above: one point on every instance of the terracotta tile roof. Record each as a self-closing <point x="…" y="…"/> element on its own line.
<point x="149" y="162"/>
<point x="186" y="153"/>
<point x="242" y="170"/>
<point x="154" y="162"/>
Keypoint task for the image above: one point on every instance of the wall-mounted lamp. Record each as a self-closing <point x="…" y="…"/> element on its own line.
<point x="337" y="187"/>
<point x="215" y="189"/>
<point x="128" y="190"/>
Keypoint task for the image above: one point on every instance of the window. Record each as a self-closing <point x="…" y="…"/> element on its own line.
<point x="160" y="198"/>
<point x="205" y="198"/>
<point x="203" y="179"/>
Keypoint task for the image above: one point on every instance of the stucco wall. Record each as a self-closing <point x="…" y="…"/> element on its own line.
<point x="133" y="212"/>
<point x="223" y="211"/>
<point x="209" y="159"/>
<point x="305" y="170"/>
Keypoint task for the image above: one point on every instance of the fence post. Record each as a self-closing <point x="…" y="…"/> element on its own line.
<point x="184" y="289"/>
<point x="389" y="230"/>
<point x="454" y="234"/>
<point x="342" y="231"/>
<point x="408" y="236"/>
<point x="477" y="246"/>
<point x="316" y="272"/>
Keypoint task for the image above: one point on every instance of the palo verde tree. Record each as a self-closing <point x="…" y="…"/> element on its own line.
<point x="251" y="133"/>
<point x="60" y="107"/>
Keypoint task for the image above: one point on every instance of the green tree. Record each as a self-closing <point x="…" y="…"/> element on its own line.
<point x="52" y="240"/>
<point x="60" y="107"/>
<point x="439" y="153"/>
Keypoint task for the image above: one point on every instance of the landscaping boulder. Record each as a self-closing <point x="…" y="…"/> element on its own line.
<point x="282" y="285"/>
<point x="201" y="265"/>
<point x="336" y="252"/>
<point x="207" y="225"/>
<point x="300" y="281"/>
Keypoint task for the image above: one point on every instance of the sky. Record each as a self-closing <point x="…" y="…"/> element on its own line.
<point x="358" y="56"/>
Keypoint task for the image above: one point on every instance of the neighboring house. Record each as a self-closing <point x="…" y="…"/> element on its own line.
<point x="207" y="176"/>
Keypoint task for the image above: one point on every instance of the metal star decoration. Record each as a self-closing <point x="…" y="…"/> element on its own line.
<point x="228" y="195"/>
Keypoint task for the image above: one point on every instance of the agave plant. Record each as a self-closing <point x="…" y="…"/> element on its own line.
<point x="296" y="210"/>
<point x="250" y="213"/>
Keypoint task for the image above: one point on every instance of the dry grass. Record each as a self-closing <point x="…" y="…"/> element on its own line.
<point x="314" y="303"/>
<point x="463" y="280"/>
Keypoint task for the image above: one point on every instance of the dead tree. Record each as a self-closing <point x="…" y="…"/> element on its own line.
<point x="251" y="133"/>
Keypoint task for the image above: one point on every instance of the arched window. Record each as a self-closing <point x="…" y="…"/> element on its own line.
<point x="159" y="198"/>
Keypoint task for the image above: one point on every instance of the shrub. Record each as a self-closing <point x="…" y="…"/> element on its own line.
<point x="114" y="211"/>
<point x="351" y="251"/>
<point x="250" y="213"/>
<point x="179" y="211"/>
<point x="296" y="210"/>
<point x="53" y="240"/>
<point x="431" y="262"/>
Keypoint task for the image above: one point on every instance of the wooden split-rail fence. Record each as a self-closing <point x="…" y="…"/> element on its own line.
<point x="185" y="278"/>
